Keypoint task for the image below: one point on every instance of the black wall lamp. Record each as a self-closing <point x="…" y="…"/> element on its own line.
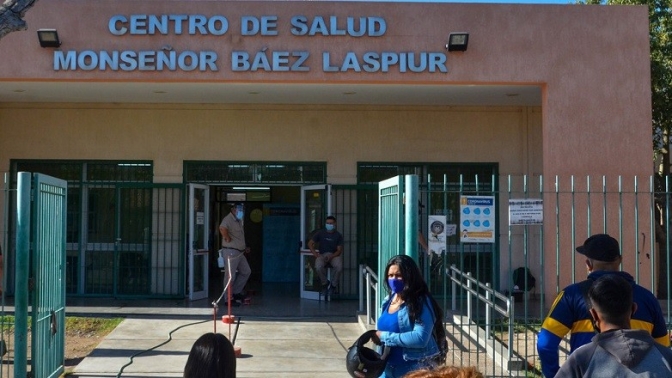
<point x="457" y="42"/>
<point x="48" y="38"/>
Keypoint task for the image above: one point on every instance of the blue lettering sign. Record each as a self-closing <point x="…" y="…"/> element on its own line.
<point x="148" y="60"/>
<point x="354" y="26"/>
<point x="143" y="24"/>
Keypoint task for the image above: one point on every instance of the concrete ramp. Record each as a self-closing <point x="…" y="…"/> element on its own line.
<point x="270" y="348"/>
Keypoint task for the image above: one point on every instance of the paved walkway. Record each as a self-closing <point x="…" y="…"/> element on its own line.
<point x="270" y="348"/>
<point x="279" y="335"/>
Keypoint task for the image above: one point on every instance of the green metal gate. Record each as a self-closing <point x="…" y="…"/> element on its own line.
<point x="40" y="270"/>
<point x="397" y="221"/>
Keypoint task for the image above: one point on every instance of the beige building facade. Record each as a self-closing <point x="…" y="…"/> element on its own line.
<point x="542" y="90"/>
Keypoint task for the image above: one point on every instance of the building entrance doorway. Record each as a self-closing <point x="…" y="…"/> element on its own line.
<point x="272" y="232"/>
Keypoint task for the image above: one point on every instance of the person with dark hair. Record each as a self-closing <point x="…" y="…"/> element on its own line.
<point x="569" y="313"/>
<point x="327" y="246"/>
<point x="233" y="251"/>
<point x="407" y="319"/>
<point x="446" y="372"/>
<point x="211" y="356"/>
<point x="617" y="350"/>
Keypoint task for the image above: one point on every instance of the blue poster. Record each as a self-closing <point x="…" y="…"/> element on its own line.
<point x="477" y="219"/>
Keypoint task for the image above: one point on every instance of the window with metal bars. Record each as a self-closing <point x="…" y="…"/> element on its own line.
<point x="213" y="172"/>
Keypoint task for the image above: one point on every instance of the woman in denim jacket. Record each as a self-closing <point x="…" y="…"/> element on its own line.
<point x="407" y="320"/>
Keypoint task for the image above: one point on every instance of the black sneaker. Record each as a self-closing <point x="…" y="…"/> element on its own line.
<point x="334" y="290"/>
<point x="239" y="296"/>
<point x="325" y="289"/>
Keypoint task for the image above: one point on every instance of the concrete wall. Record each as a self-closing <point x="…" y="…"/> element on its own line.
<point x="341" y="136"/>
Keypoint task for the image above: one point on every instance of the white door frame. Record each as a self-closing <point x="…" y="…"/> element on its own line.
<point x="305" y="252"/>
<point x="198" y="252"/>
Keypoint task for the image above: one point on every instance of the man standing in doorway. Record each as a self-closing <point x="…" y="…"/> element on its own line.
<point x="330" y="244"/>
<point x="569" y="313"/>
<point x="233" y="250"/>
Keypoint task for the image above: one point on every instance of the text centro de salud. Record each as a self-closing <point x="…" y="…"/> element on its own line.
<point x="167" y="59"/>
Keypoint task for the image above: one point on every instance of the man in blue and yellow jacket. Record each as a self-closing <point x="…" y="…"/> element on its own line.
<point x="569" y="312"/>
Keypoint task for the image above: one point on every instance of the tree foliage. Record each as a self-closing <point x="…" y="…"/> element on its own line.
<point x="11" y="15"/>
<point x="660" y="35"/>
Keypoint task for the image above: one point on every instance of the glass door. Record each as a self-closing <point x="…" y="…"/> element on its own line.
<point x="199" y="206"/>
<point x="315" y="206"/>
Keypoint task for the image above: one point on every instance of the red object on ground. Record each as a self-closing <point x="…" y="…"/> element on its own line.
<point x="237" y="351"/>
<point x="228" y="319"/>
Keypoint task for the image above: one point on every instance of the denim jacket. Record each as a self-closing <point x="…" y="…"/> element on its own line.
<point x="415" y="339"/>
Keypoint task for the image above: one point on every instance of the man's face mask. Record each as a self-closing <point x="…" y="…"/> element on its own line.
<point x="330" y="227"/>
<point x="240" y="212"/>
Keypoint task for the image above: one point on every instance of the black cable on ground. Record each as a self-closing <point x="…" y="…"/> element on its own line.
<point x="170" y="337"/>
<point x="233" y="342"/>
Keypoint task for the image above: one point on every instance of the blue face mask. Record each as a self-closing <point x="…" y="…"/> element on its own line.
<point x="240" y="214"/>
<point x="396" y="285"/>
<point x="330" y="227"/>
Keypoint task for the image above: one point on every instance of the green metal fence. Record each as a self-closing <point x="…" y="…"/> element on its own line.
<point x="566" y="210"/>
<point x="48" y="276"/>
<point x="390" y="223"/>
<point x="125" y="235"/>
<point x="136" y="249"/>
<point x="40" y="275"/>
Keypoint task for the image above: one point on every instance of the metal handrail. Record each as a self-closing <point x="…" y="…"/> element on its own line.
<point x="465" y="281"/>
<point x="370" y="283"/>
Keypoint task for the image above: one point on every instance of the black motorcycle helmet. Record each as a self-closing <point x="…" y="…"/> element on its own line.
<point x="365" y="361"/>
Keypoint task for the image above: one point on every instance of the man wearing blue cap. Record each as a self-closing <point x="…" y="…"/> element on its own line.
<point x="569" y="313"/>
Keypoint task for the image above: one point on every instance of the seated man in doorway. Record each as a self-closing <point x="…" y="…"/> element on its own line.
<point x="330" y="243"/>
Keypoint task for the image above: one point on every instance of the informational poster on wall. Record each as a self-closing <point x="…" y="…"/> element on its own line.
<point x="437" y="233"/>
<point x="527" y="211"/>
<point x="477" y="219"/>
